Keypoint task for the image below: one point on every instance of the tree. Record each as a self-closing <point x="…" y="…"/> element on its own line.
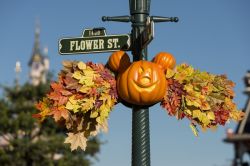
<point x="25" y="142"/>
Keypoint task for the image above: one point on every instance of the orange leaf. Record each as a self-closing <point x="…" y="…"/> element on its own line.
<point x="56" y="86"/>
<point x="59" y="113"/>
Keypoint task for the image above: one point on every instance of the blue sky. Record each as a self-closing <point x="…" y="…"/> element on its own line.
<point x="211" y="35"/>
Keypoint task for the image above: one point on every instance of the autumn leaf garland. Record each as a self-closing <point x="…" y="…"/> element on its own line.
<point x="85" y="94"/>
<point x="205" y="99"/>
<point x="81" y="100"/>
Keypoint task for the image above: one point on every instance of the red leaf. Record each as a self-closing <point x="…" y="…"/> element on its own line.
<point x="37" y="116"/>
<point x="221" y="116"/>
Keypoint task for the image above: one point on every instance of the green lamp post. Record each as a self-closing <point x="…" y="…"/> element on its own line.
<point x="140" y="36"/>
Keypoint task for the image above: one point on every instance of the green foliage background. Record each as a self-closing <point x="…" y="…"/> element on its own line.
<point x="30" y="143"/>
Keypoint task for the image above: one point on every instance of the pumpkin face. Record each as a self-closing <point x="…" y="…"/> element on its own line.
<point x="119" y="61"/>
<point x="165" y="60"/>
<point x="142" y="83"/>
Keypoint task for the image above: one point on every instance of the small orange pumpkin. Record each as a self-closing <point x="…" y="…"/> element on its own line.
<point x="119" y="61"/>
<point x="165" y="60"/>
<point x="142" y="83"/>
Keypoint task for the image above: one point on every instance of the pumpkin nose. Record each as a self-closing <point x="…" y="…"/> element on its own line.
<point x="145" y="80"/>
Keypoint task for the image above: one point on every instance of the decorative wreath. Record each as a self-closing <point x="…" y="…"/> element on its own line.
<point x="85" y="94"/>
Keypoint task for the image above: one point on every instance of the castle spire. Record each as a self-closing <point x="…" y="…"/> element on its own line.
<point x="39" y="63"/>
<point x="36" y="53"/>
<point x="37" y="35"/>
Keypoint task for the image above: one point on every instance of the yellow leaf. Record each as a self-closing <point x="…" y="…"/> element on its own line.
<point x="229" y="104"/>
<point x="76" y="108"/>
<point x="86" y="80"/>
<point x="77" y="75"/>
<point x="196" y="114"/>
<point x="44" y="113"/>
<point x="104" y="108"/>
<point x="210" y="116"/>
<point x="104" y="97"/>
<point x="88" y="104"/>
<point x="69" y="106"/>
<point x="81" y="66"/>
<point x="72" y="104"/>
<point x="89" y="82"/>
<point x="204" y="119"/>
<point x="192" y="101"/>
<point x="170" y="73"/>
<point x="94" y="114"/>
<point x="89" y="73"/>
<point x="189" y="88"/>
<point x="237" y="115"/>
<point x="84" y="89"/>
<point x="107" y="100"/>
<point x="99" y="120"/>
<point x="194" y="129"/>
<point x="205" y="105"/>
<point x="76" y="140"/>
<point x="72" y="100"/>
<point x="72" y="107"/>
<point x="188" y="111"/>
<point x="106" y="86"/>
<point x="104" y="113"/>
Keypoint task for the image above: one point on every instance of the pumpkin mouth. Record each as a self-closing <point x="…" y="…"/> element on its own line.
<point x="145" y="83"/>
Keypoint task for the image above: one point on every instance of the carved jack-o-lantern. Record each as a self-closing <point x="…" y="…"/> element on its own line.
<point x="142" y="83"/>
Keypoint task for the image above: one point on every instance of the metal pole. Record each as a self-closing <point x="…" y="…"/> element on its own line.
<point x="139" y="14"/>
<point x="139" y="10"/>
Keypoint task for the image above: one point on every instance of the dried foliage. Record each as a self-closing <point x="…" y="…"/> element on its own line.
<point x="81" y="100"/>
<point x="205" y="99"/>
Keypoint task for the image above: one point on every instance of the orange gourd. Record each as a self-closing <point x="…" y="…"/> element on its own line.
<point x="119" y="61"/>
<point x="142" y="83"/>
<point x="165" y="60"/>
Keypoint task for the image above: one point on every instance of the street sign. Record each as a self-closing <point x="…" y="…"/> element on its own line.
<point x="148" y="34"/>
<point x="94" y="41"/>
